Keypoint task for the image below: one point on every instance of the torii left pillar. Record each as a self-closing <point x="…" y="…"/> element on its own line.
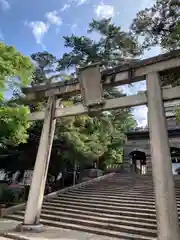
<point x="36" y="193"/>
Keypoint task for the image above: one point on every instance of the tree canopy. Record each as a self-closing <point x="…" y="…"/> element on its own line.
<point x="16" y="70"/>
<point x="105" y="134"/>
<point x="159" y="24"/>
<point x="113" y="47"/>
<point x="44" y="67"/>
<point x="86" y="139"/>
<point x="13" y="65"/>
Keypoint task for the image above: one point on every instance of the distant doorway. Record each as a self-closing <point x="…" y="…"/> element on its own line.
<point x="138" y="162"/>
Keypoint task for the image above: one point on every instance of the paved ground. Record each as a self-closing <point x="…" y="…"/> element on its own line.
<point x="8" y="227"/>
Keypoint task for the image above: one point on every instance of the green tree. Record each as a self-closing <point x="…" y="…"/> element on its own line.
<point x="13" y="125"/>
<point x="16" y="71"/>
<point x="103" y="135"/>
<point x="114" y="47"/>
<point x="159" y="24"/>
<point x="44" y="63"/>
<point x="85" y="138"/>
<point x="45" y="71"/>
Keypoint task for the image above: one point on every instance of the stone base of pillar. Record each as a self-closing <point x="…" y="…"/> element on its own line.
<point x="36" y="228"/>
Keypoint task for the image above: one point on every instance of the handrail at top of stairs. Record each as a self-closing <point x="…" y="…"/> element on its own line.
<point x="15" y="208"/>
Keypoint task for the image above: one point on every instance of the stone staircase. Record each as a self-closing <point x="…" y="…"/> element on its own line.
<point x="120" y="206"/>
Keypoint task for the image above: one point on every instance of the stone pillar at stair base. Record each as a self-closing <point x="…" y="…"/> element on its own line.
<point x="166" y="207"/>
<point x="36" y="228"/>
<point x="36" y="193"/>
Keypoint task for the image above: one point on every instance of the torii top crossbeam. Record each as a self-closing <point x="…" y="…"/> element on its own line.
<point x="91" y="83"/>
<point x="119" y="75"/>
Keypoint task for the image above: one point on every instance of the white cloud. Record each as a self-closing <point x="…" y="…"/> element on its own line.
<point x="53" y="18"/>
<point x="57" y="30"/>
<point x="104" y="11"/>
<point x="154" y="51"/>
<point x="139" y="113"/>
<point x="134" y="88"/>
<point x="146" y="3"/>
<point x="73" y="28"/>
<point x="39" y="29"/>
<point x="66" y="6"/>
<point x="81" y="2"/>
<point x="78" y="2"/>
<point x="4" y="5"/>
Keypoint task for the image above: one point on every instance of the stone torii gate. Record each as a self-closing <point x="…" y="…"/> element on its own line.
<point x="90" y="84"/>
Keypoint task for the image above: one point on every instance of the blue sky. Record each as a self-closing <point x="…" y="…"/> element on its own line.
<point x="36" y="25"/>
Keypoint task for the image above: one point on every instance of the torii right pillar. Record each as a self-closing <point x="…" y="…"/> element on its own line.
<point x="166" y="206"/>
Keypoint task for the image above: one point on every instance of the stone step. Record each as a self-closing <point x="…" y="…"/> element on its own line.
<point x="126" y="207"/>
<point x="120" y="187"/>
<point x="12" y="236"/>
<point x="124" y="211"/>
<point x="128" y="188"/>
<point x="136" y="222"/>
<point x="115" y="202"/>
<point x="133" y="232"/>
<point x="106" y="206"/>
<point x="119" y="206"/>
<point x="112" y="190"/>
<point x="100" y="203"/>
<point x="117" y="193"/>
<point x="112" y="197"/>
<point x="116" y="184"/>
<point x="91" y="211"/>
<point x="142" y="195"/>
<point x="101" y="213"/>
<point x="128" y="192"/>
<point x="104" y="199"/>
<point x="119" y="184"/>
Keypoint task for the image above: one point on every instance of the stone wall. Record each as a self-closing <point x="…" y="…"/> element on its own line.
<point x="132" y="145"/>
<point x="144" y="146"/>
